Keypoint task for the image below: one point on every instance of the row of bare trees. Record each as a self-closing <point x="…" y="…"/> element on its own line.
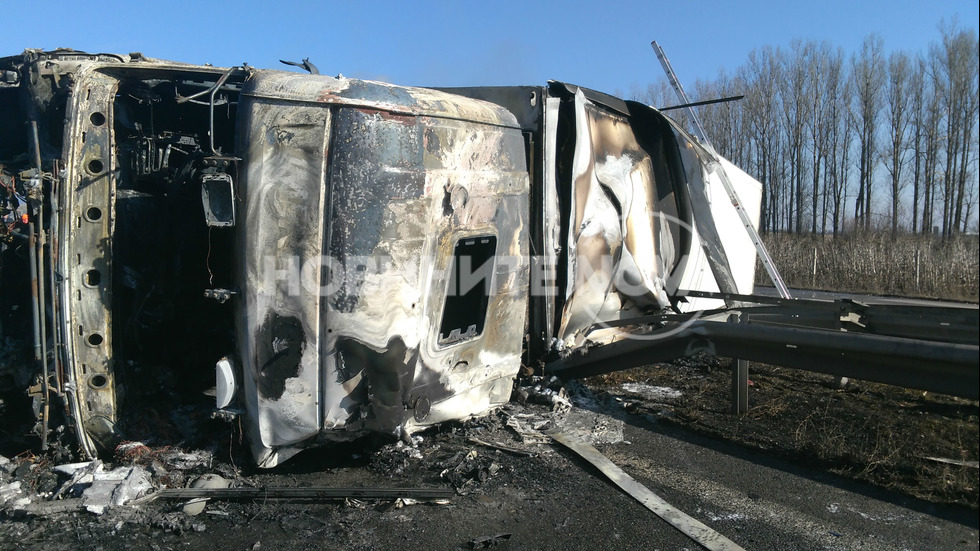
<point x="868" y="140"/>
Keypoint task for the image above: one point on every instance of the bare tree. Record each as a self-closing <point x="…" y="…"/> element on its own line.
<point x="838" y="141"/>
<point x="919" y="93"/>
<point x="954" y="66"/>
<point x="761" y="105"/>
<point x="812" y="129"/>
<point x="794" y="88"/>
<point x="869" y="75"/>
<point x="898" y="117"/>
<point x="848" y="129"/>
<point x="932" y="146"/>
<point x="817" y="69"/>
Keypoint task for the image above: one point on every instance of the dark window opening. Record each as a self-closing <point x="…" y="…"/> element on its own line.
<point x="470" y="285"/>
<point x="174" y="240"/>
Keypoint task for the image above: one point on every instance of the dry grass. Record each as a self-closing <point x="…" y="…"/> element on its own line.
<point x="911" y="265"/>
<point x="866" y="431"/>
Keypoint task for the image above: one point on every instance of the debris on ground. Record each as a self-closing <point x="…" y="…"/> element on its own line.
<point x="502" y="447"/>
<point x="196" y="506"/>
<point x="527" y="427"/>
<point x="594" y="427"/>
<point x="115" y="488"/>
<point x="543" y="390"/>
<point x="465" y="471"/>
<point x="473" y="456"/>
<point x="488" y="459"/>
<point x="393" y="459"/>
<point x="656" y="394"/>
<point x="488" y="542"/>
<point x="593" y="419"/>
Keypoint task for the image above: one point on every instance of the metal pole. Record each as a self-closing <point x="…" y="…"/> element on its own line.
<point x="813" y="279"/>
<point x="217" y="86"/>
<point x="52" y="262"/>
<point x="740" y="375"/>
<point x="37" y="288"/>
<point x="916" y="269"/>
<point x="676" y="83"/>
<point x="740" y="386"/>
<point x="760" y="247"/>
<point x="35" y="304"/>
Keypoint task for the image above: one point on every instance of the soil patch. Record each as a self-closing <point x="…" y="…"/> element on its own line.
<point x="909" y="441"/>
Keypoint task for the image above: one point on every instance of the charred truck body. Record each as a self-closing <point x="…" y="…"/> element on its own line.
<point x="356" y="256"/>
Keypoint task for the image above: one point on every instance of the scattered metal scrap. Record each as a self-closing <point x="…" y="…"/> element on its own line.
<point x="957" y="462"/>
<point x="501" y="447"/>
<point x="489" y="542"/>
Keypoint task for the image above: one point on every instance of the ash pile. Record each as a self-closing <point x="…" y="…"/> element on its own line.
<point x="152" y="485"/>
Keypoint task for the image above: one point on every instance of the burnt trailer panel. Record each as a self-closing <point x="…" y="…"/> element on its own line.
<point x="385" y="258"/>
<point x="627" y="211"/>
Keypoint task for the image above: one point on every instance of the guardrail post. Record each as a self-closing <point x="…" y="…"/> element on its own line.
<point x="740" y="375"/>
<point x="740" y="386"/>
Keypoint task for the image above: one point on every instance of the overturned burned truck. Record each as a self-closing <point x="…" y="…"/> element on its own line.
<point x="337" y="257"/>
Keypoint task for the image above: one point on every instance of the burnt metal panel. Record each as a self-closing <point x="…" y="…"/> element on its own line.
<point x="537" y="114"/>
<point x="524" y="102"/>
<point x="695" y="161"/>
<point x="363" y="191"/>
<point x="281" y="243"/>
<point x="569" y="91"/>
<point x="404" y="192"/>
<point x="373" y="95"/>
<point x="87" y="260"/>
<point x="621" y="248"/>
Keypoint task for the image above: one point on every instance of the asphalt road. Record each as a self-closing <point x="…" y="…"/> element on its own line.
<point x="763" y="503"/>
<point x="555" y="500"/>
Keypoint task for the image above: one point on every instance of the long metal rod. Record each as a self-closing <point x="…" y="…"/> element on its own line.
<point x="38" y="276"/>
<point x="310" y="492"/>
<point x="53" y="241"/>
<point x="42" y="299"/>
<point x="688" y="525"/>
<point x="214" y="92"/>
<point x="747" y="222"/>
<point x="679" y="90"/>
<point x="35" y="303"/>
<point x="703" y="102"/>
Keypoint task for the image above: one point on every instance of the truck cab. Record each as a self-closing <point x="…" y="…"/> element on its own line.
<point x="334" y="257"/>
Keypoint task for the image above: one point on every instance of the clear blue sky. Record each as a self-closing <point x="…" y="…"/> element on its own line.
<point x="444" y="43"/>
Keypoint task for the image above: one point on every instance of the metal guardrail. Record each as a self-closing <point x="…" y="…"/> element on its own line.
<point x="922" y="347"/>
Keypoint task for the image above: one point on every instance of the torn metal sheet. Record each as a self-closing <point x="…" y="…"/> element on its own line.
<point x="618" y="253"/>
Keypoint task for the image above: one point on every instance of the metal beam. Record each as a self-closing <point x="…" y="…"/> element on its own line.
<point x="309" y="492"/>
<point x="688" y="525"/>
<point x="948" y="368"/>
